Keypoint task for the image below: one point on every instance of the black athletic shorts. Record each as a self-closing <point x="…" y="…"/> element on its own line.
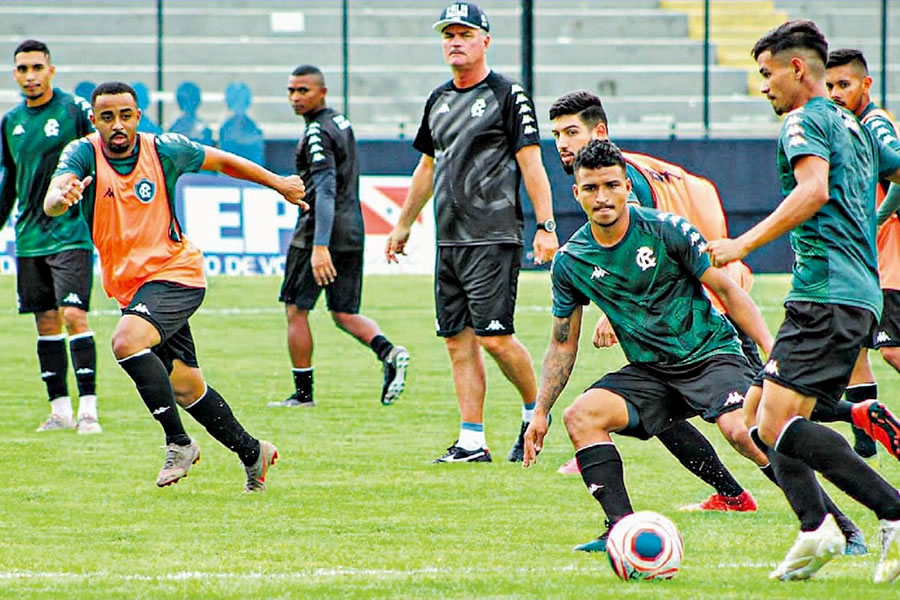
<point x="48" y="282"/>
<point x="816" y="348"/>
<point x="475" y="286"/>
<point x="887" y="333"/>
<point x="666" y="395"/>
<point x="300" y="288"/>
<point x="168" y="306"/>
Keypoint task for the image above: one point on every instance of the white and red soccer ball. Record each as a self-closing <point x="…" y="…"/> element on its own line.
<point x="645" y="545"/>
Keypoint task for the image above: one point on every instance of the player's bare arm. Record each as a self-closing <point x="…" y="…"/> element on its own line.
<point x="538" y="187"/>
<point x="421" y="188"/>
<point x="558" y="364"/>
<point x="740" y="306"/>
<point x="811" y="194"/>
<point x="291" y="187"/>
<point x="64" y="192"/>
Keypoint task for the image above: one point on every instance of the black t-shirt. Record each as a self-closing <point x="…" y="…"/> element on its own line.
<point x="473" y="135"/>
<point x="328" y="143"/>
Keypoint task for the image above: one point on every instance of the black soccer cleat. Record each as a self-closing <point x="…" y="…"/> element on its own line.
<point x="517" y="454"/>
<point x="395" y="365"/>
<point x="293" y="401"/>
<point x="597" y="545"/>
<point x="455" y="454"/>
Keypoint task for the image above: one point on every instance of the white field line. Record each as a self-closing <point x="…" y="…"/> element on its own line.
<point x="322" y="573"/>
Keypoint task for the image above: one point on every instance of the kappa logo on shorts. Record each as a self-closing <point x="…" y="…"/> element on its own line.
<point x="772" y="368"/>
<point x="73" y="298"/>
<point x="882" y="337"/>
<point x="140" y="307"/>
<point x="495" y="325"/>
<point x="734" y="398"/>
<point x="145" y="190"/>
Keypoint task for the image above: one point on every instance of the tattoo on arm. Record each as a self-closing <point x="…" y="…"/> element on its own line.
<point x="558" y="363"/>
<point x="561" y="330"/>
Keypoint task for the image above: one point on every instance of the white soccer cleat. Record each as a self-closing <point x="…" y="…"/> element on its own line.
<point x="810" y="552"/>
<point x="88" y="425"/>
<point x="56" y="423"/>
<point x="889" y="564"/>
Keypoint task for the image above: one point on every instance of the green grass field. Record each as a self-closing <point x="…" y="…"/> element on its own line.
<point x="354" y="509"/>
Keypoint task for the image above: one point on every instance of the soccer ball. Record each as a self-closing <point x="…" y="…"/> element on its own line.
<point x="645" y="545"/>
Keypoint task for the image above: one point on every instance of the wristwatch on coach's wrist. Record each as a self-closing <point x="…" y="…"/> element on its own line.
<point x="549" y="225"/>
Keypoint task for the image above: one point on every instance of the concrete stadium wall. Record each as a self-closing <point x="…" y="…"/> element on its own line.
<point x="743" y="170"/>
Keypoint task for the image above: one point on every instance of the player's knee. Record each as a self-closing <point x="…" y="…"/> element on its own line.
<point x="342" y="320"/>
<point x="496" y="345"/>
<point x="891" y="355"/>
<point x="124" y="344"/>
<point x="578" y="420"/>
<point x="75" y="319"/>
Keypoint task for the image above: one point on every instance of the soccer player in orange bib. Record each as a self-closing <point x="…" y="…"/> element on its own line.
<point x="126" y="185"/>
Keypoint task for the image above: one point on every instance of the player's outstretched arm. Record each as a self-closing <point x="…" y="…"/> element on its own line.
<point x="291" y="187"/>
<point x="739" y="305"/>
<point x="538" y="187"/>
<point x="558" y="363"/>
<point x="811" y="194"/>
<point x="64" y="192"/>
<point x="421" y="188"/>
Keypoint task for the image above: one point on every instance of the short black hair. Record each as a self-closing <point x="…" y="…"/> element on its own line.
<point x="586" y="105"/>
<point x="800" y="33"/>
<point x="597" y="154"/>
<point x="112" y="87"/>
<point x="845" y="56"/>
<point x="309" y="70"/>
<point x="32" y="46"/>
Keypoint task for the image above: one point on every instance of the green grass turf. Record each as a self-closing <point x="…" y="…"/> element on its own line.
<point x="354" y="509"/>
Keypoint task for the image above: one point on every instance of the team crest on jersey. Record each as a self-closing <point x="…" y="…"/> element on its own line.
<point x="51" y="128"/>
<point x="644" y="258"/>
<point x="478" y="107"/>
<point x="145" y="190"/>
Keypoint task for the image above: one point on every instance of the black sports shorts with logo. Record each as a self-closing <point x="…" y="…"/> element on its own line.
<point x="48" y="282"/>
<point x="476" y="286"/>
<point x="300" y="288"/>
<point x="887" y="333"/>
<point x="168" y="306"/>
<point x="816" y="349"/>
<point x="665" y="395"/>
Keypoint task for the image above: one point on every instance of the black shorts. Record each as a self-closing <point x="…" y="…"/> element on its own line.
<point x="48" y="282"/>
<point x="168" y="306"/>
<point x="664" y="396"/>
<point x="816" y="348"/>
<point x="475" y="286"/>
<point x="887" y="333"/>
<point x="300" y="288"/>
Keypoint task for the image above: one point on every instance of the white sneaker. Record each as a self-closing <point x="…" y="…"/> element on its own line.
<point x="88" y="425"/>
<point x="889" y="564"/>
<point x="56" y="422"/>
<point x="810" y="552"/>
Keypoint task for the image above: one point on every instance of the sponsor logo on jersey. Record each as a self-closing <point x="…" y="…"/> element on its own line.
<point x="882" y="337"/>
<point x="528" y="130"/>
<point x="140" y="307"/>
<point x="341" y="121"/>
<point x="318" y="157"/>
<point x="109" y="193"/>
<point x="516" y="88"/>
<point x="478" y="107"/>
<point x="599" y="273"/>
<point x="796" y="140"/>
<point x="701" y="248"/>
<point x="495" y="325"/>
<point x="644" y="258"/>
<point x="694" y="238"/>
<point x="314" y="139"/>
<point x="527" y="119"/>
<point x="73" y="298"/>
<point x="145" y="190"/>
<point x="734" y="398"/>
<point x="18" y="130"/>
<point x="51" y="128"/>
<point x="315" y="148"/>
<point x="771" y="368"/>
<point x="521" y="98"/>
<point x="445" y="108"/>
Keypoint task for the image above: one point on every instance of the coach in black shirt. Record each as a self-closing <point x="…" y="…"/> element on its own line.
<point x="478" y="139"/>
<point x="327" y="247"/>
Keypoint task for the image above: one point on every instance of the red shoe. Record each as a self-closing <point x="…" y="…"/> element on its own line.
<point x="875" y="419"/>
<point x="742" y="503"/>
<point x="570" y="467"/>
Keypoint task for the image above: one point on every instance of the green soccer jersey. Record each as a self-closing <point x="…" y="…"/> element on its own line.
<point x="648" y="285"/>
<point x="177" y="155"/>
<point x="834" y="250"/>
<point x="641" y="193"/>
<point x="32" y="139"/>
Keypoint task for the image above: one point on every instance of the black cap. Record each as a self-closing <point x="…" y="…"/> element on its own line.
<point x="462" y="13"/>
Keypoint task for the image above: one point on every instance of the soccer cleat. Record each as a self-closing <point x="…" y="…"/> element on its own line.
<point x="597" y="545"/>
<point x="810" y="552"/>
<point x="863" y="445"/>
<point x="395" y="366"/>
<point x="88" y="425"/>
<point x="517" y="454"/>
<point x="55" y="423"/>
<point x="256" y="473"/>
<point x="875" y="419"/>
<point x="292" y="401"/>
<point x="855" y="543"/>
<point x="178" y="460"/>
<point x="455" y="454"/>
<point x="889" y="564"/>
<point x="744" y="502"/>
<point x="570" y="467"/>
